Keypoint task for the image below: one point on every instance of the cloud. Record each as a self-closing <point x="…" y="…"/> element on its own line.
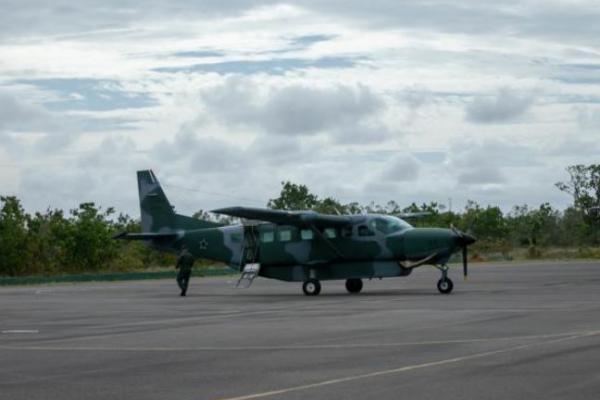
<point x="16" y="115"/>
<point x="481" y="175"/>
<point x="402" y="168"/>
<point x="26" y="127"/>
<point x="89" y="94"/>
<point x="88" y="17"/>
<point x="290" y="109"/>
<point x="270" y="66"/>
<point x="353" y="99"/>
<point x="588" y="117"/>
<point x="504" y="106"/>
<point x="473" y="154"/>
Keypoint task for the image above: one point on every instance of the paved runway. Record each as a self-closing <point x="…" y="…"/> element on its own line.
<point x="514" y="331"/>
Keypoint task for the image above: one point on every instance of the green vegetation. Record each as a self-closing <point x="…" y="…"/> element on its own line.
<point x="524" y="232"/>
<point x="52" y="243"/>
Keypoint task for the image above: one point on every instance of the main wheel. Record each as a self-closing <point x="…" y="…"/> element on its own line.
<point x="445" y="285"/>
<point x="311" y="287"/>
<point x="354" y="285"/>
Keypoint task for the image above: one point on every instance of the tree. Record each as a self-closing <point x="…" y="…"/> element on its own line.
<point x="89" y="244"/>
<point x="13" y="237"/>
<point x="46" y="234"/>
<point x="294" y="197"/>
<point x="538" y="227"/>
<point x="584" y="186"/>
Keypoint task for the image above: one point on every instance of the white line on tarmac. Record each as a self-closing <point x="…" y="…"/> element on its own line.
<point x="21" y="331"/>
<point x="406" y="368"/>
<point x="296" y="347"/>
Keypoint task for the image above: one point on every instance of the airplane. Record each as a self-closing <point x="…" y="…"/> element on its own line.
<point x="299" y="246"/>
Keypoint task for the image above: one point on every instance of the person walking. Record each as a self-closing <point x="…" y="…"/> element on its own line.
<point x="185" y="261"/>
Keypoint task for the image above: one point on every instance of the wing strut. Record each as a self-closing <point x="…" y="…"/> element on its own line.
<point x="327" y="241"/>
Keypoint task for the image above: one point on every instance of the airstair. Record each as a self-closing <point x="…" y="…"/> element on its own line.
<point x="249" y="261"/>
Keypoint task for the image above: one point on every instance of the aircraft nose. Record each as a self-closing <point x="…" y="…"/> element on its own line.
<point x="464" y="239"/>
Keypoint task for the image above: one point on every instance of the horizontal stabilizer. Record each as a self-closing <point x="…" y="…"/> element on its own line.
<point x="146" y="236"/>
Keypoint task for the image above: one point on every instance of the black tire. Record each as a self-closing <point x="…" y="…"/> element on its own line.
<point x="445" y="286"/>
<point x="354" y="285"/>
<point x="311" y="287"/>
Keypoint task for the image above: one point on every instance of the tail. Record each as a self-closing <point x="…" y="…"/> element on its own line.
<point x="158" y="215"/>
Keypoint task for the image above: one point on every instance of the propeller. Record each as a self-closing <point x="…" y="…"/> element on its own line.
<point x="463" y="240"/>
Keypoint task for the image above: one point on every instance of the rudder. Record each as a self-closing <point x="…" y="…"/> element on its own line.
<point x="158" y="215"/>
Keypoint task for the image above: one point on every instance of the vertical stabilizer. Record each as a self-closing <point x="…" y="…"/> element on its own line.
<point x="157" y="212"/>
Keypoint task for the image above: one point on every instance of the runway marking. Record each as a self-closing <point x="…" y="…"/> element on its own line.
<point x="405" y="368"/>
<point x="294" y="347"/>
<point x="21" y="331"/>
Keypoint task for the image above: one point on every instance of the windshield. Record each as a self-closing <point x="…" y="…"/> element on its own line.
<point x="387" y="224"/>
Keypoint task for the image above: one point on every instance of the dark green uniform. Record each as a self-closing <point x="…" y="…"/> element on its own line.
<point x="184" y="265"/>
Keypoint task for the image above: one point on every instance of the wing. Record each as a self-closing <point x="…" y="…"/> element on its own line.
<point x="417" y="214"/>
<point x="279" y="217"/>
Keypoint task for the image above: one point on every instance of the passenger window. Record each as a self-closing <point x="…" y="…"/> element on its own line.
<point x="285" y="235"/>
<point x="347" y="231"/>
<point x="329" y="233"/>
<point x="364" y="230"/>
<point x="307" y="234"/>
<point x="236" y="237"/>
<point x="267" y="237"/>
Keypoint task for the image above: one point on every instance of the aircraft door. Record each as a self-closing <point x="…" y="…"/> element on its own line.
<point x="250" y="245"/>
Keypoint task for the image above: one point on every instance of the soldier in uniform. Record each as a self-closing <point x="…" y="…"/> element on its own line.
<point x="185" y="261"/>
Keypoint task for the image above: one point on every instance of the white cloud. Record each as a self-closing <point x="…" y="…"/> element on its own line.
<point x="402" y="168"/>
<point x="504" y="106"/>
<point x="289" y="109"/>
<point x="232" y="97"/>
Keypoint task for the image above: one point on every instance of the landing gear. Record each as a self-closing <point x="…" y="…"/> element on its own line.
<point x="354" y="285"/>
<point x="445" y="284"/>
<point x="311" y="287"/>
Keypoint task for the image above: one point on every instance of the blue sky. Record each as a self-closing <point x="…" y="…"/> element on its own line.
<point x="385" y="100"/>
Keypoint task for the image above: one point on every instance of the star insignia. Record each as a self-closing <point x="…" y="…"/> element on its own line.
<point x="203" y="244"/>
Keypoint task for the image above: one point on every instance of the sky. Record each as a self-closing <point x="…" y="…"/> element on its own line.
<point x="411" y="101"/>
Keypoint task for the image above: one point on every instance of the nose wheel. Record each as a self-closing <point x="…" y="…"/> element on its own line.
<point x="445" y="284"/>
<point x="311" y="287"/>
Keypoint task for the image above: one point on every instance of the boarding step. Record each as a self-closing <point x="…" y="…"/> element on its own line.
<point x="249" y="272"/>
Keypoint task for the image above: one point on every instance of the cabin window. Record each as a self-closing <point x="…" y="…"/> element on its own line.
<point x="364" y="230"/>
<point x="329" y="233"/>
<point x="285" y="235"/>
<point x="236" y="237"/>
<point x="307" y="234"/>
<point x="267" y="237"/>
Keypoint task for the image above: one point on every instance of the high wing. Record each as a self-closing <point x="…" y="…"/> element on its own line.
<point x="308" y="219"/>
<point x="417" y="214"/>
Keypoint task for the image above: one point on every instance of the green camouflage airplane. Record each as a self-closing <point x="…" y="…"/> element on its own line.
<point x="299" y="246"/>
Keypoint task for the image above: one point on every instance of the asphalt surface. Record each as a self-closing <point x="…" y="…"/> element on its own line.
<point x="514" y="331"/>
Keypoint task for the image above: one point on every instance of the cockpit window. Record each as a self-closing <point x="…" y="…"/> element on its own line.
<point x="364" y="230"/>
<point x="388" y="224"/>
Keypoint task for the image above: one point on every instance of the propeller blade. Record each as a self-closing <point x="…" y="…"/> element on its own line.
<point x="464" y="254"/>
